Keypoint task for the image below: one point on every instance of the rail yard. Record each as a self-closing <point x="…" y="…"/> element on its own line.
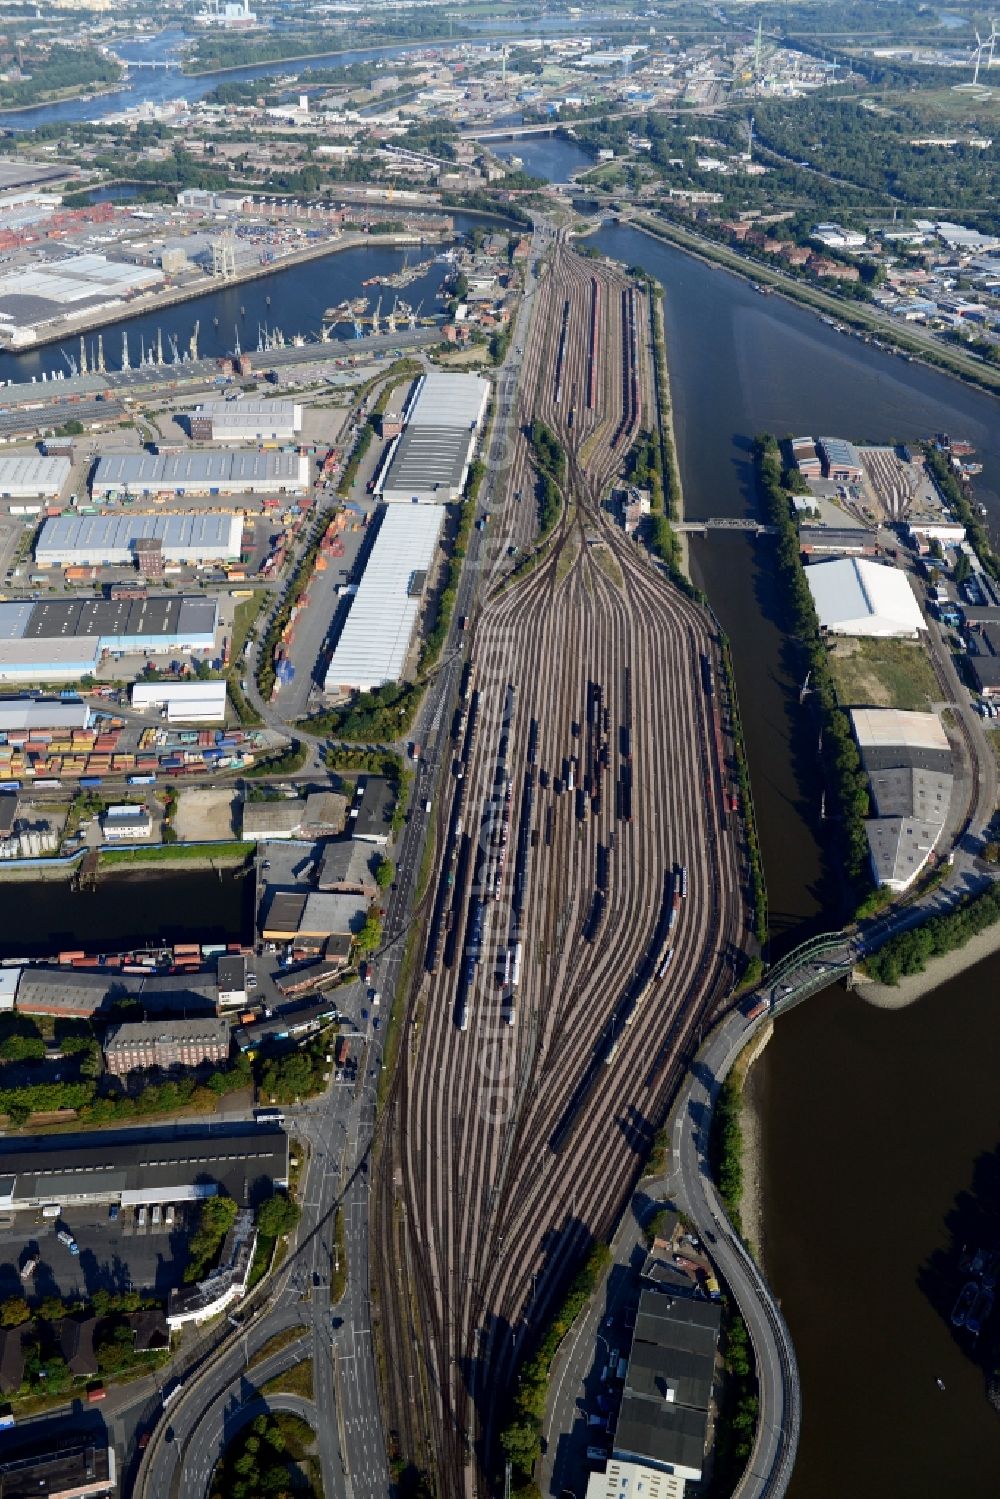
<point x="585" y="913"/>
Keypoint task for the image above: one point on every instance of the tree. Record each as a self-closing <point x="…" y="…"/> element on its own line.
<point x="963" y="567"/>
<point x="369" y="938"/>
<point x="277" y="1216"/>
<point x="384" y="874"/>
<point x="216" y="1219"/>
<point x="14" y="1311"/>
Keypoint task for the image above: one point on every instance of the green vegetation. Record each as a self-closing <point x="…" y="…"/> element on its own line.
<point x="909" y="952"/>
<point x="338" y="1269"/>
<point x="278" y="1215"/>
<point x="217" y="1216"/>
<point x="298" y="1380"/>
<point x="739" y="1404"/>
<point x="758" y="887"/>
<point x="59" y="71"/>
<point x="268" y="1456"/>
<point x="275" y="1344"/>
<point x="350" y="470"/>
<point x="726" y="1148"/>
<point x="841" y="762"/>
<point x="369" y="939"/>
<point x="192" y="853"/>
<point x="521" y="1437"/>
<point x="883" y="673"/>
<point x="285" y="763"/>
<point x="385" y="873"/>
<point x="244" y="617"/>
<point x="550" y="463"/>
<point x="378" y="717"/>
<point x="293" y="1074"/>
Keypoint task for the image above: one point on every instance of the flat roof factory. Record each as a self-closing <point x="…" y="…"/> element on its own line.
<point x="443" y="400"/>
<point x="144" y="1166"/>
<point x="25" y="715"/>
<point x="428" y="465"/>
<point x="34" y="295"/>
<point x="376" y="636"/>
<point x="199" y="473"/>
<point x="246" y="420"/>
<point x="854" y="596"/>
<point x="29" y="476"/>
<point x="908" y="761"/>
<point x="182" y="702"/>
<point x="64" y="639"/>
<point x="72" y="1466"/>
<point x="111" y="540"/>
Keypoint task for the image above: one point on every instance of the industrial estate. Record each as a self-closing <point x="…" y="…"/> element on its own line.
<point x="386" y="932"/>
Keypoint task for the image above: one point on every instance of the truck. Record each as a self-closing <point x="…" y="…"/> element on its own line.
<point x="342" y="1051"/>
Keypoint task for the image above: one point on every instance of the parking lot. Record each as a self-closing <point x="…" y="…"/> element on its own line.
<point x="115" y="1254"/>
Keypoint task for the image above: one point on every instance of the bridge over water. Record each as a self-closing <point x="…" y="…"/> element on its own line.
<point x="723" y="523"/>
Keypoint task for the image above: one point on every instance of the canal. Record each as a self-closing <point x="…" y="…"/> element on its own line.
<point x="126" y="910"/>
<point x="873" y="1122"/>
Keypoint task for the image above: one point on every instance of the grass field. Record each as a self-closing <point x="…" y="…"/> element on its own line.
<point x="177" y="853"/>
<point x="298" y="1380"/>
<point x="883" y="674"/>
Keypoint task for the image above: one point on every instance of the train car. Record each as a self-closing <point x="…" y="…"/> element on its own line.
<point x="707" y="679"/>
<point x="682" y="881"/>
<point x="148" y="780"/>
<point x="50" y="784"/>
<point x="667" y="960"/>
<point x="515" y="972"/>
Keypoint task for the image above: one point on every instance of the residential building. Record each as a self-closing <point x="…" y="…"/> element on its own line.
<point x="126" y="823"/>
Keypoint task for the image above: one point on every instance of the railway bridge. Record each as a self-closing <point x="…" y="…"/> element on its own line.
<point x="723" y="523"/>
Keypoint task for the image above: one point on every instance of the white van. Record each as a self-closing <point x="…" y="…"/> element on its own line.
<point x="142" y="1217"/>
<point x="168" y="1215"/>
<point x="156" y="1214"/>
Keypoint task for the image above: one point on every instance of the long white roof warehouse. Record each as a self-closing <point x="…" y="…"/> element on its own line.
<point x="200" y="473"/>
<point x="376" y="636"/>
<point x="448" y="401"/>
<point x="109" y="540"/>
<point x="27" y="476"/>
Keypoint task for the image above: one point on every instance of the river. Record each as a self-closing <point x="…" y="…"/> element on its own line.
<point x="872" y="1121"/>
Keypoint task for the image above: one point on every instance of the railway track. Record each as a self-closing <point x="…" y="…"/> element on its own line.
<point x="540" y="1054"/>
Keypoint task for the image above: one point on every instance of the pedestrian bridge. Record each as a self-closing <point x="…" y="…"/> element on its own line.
<point x="723" y="523"/>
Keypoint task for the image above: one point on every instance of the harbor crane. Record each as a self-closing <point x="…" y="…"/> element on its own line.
<point x="390" y="321"/>
<point x="126" y="363"/>
<point x="376" y="324"/>
<point x="414" y="314"/>
<point x="174" y="351"/>
<point x="83" y="356"/>
<point x="71" y="362"/>
<point x="193" y="342"/>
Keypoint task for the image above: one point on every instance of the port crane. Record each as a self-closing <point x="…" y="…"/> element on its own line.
<point x="193" y="342"/>
<point x="71" y="362"/>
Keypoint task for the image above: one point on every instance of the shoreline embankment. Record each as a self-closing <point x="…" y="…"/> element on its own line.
<point x="747" y="1077"/>
<point x="939" y="970"/>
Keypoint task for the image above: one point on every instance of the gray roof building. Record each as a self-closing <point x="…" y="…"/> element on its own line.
<point x="136" y="1166"/>
<point x="327" y="915"/>
<point x="225" y="473"/>
<point x="24" y="714"/>
<point x="349" y="865"/>
<point x="663" y="1420"/>
<point x="110" y="540"/>
<point x="77" y="1342"/>
<point x="73" y="1467"/>
<point x="82" y="992"/>
<point x="842" y="540"/>
<point x="370" y="816"/>
<point x="428" y="464"/>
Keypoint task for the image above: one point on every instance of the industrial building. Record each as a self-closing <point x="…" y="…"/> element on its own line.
<point x="223" y="1285"/>
<point x="22" y="717"/>
<point x="807" y="457"/>
<point x="62" y="640"/>
<point x="115" y="540"/>
<point x="908" y="761"/>
<point x="34" y="295"/>
<point x="182" y="702"/>
<point x="125" y="823"/>
<point x="370" y="816"/>
<point x="841" y="460"/>
<point x="663" y="1420"/>
<point x="376" y="636"/>
<point x="29" y="476"/>
<point x="427" y="466"/>
<point x="181" y="1164"/>
<point x="246" y="420"/>
<point x="625" y="1480"/>
<point x="442" y="400"/>
<point x="321" y="814"/>
<point x="142" y="1044"/>
<point x="348" y="867"/>
<point x="855" y="596"/>
<point x="79" y="992"/>
<point x="63" y="1465"/>
<point x="198" y="473"/>
<point x="843" y="541"/>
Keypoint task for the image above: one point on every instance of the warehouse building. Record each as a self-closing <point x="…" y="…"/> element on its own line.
<point x="182" y="1164"/>
<point x="29" y="476"/>
<point x="348" y="867"/>
<point x="142" y="1044"/>
<point x="34" y="295"/>
<point x="806" y="456"/>
<point x="841" y="460"/>
<point x="79" y="993"/>
<point x="148" y="474"/>
<point x="182" y="702"/>
<point x="663" y="1420"/>
<point x="115" y="540"/>
<point x="441" y="400"/>
<point x="62" y="1465"/>
<point x="245" y="420"/>
<point x="22" y="717"/>
<point x="843" y="541"/>
<point x="62" y="640"/>
<point x="377" y="634"/>
<point x="427" y="466"/>
<point x="855" y="596"/>
<point x="321" y="814"/>
<point x="625" y="1480"/>
<point x="908" y="761"/>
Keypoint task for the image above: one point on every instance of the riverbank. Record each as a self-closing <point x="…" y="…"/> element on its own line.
<point x="161" y="301"/>
<point x="935" y="356"/>
<point x="746" y="1078"/>
<point x="939" y="971"/>
<point x="64" y="96"/>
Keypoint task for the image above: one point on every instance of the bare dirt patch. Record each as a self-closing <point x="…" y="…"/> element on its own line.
<point x="205" y="815"/>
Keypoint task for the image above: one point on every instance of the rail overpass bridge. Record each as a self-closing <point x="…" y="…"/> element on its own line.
<point x="723" y="523"/>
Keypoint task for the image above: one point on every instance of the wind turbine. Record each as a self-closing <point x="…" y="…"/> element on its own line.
<point x="980" y="48"/>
